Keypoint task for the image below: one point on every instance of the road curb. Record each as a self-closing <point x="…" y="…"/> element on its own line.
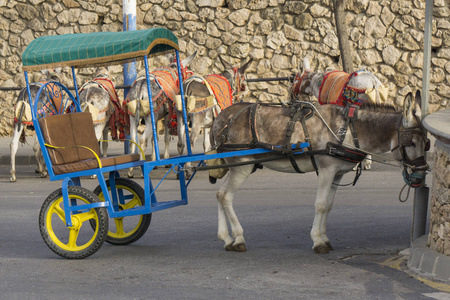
<point x="5" y="160"/>
<point x="428" y="262"/>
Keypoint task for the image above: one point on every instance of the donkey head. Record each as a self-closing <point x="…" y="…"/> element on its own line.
<point x="308" y="82"/>
<point x="102" y="72"/>
<point x="235" y="76"/>
<point x="184" y="64"/>
<point x="52" y="75"/>
<point x="412" y="142"/>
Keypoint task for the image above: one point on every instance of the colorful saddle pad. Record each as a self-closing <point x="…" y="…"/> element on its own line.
<point x="332" y="87"/>
<point x="221" y="89"/>
<point x="167" y="79"/>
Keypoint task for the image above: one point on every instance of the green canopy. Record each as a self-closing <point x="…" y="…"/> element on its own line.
<point x="88" y="49"/>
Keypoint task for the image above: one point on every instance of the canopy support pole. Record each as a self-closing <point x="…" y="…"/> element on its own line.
<point x="75" y="84"/>
<point x="183" y="103"/>
<point x="129" y="69"/>
<point x="421" y="195"/>
<point x="152" y="110"/>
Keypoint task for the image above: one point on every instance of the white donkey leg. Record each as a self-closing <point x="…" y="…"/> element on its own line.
<point x="181" y="133"/>
<point x="197" y="124"/>
<point x="104" y="142"/>
<point x="206" y="139"/>
<point x="14" y="146"/>
<point x="367" y="162"/>
<point x="41" y="168"/>
<point x="324" y="201"/>
<point x="101" y="132"/>
<point x="225" y="195"/>
<point x="148" y="136"/>
<point x="167" y="137"/>
<point x="134" y="120"/>
<point x="206" y="130"/>
<point x="323" y="225"/>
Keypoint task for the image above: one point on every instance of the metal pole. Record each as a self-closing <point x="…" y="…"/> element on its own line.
<point x="426" y="57"/>
<point x="152" y="111"/>
<point x="183" y="103"/>
<point x="129" y="69"/>
<point x="75" y="85"/>
<point x="421" y="194"/>
<point x="420" y="212"/>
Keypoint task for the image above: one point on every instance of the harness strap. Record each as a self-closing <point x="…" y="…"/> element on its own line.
<point x="350" y="115"/>
<point x="308" y="140"/>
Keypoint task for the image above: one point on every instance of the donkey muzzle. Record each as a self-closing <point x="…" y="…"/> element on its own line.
<point x="414" y="172"/>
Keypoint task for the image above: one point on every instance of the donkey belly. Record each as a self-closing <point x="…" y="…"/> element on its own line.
<point x="285" y="165"/>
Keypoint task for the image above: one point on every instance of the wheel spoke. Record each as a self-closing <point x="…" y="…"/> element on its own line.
<point x="87" y="216"/>
<point x="73" y="236"/>
<point x="60" y="213"/>
<point x="132" y="203"/>
<point x="119" y="226"/>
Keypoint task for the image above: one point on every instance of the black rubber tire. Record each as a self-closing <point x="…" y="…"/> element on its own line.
<point x="49" y="228"/>
<point x="142" y="223"/>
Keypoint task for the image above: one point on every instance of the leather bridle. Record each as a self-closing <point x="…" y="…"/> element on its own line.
<point x="413" y="169"/>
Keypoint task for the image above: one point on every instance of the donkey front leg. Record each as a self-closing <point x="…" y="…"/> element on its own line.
<point x="134" y="123"/>
<point x="13" y="147"/>
<point x="167" y="137"/>
<point x="148" y="136"/>
<point x="40" y="168"/>
<point x="105" y="141"/>
<point x="209" y="118"/>
<point x="324" y="201"/>
<point x="225" y="195"/>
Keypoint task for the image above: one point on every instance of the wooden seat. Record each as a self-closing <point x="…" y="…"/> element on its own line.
<point x="72" y="145"/>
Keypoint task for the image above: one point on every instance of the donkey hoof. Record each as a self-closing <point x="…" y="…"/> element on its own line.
<point x="12" y="179"/>
<point x="321" y="249"/>
<point x="229" y="247"/>
<point x="328" y="245"/>
<point x="240" y="248"/>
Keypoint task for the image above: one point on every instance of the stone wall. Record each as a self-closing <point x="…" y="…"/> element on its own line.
<point x="387" y="38"/>
<point x="439" y="237"/>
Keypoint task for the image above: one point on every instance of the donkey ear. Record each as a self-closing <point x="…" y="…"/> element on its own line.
<point x="418" y="104"/>
<point x="407" y="105"/>
<point x="242" y="69"/>
<point x="187" y="61"/>
<point x="225" y="64"/>
<point x="306" y="65"/>
<point x="46" y="73"/>
<point x="409" y="111"/>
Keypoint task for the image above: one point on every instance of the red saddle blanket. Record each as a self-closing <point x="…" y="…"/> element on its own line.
<point x="168" y="80"/>
<point x="335" y="89"/>
<point x="221" y="89"/>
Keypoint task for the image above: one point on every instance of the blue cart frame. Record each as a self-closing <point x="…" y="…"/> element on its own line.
<point x="112" y="198"/>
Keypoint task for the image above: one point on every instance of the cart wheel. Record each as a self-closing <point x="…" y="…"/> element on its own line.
<point x="77" y="241"/>
<point x="132" y="228"/>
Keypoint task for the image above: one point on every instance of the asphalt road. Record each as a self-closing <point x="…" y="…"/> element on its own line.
<point x="180" y="256"/>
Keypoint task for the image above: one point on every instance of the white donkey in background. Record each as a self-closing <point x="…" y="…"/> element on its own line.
<point x="22" y="119"/>
<point x="164" y="86"/>
<point x="365" y="85"/>
<point x="99" y="97"/>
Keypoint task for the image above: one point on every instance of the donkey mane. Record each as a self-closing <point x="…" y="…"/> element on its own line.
<point x="380" y="107"/>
